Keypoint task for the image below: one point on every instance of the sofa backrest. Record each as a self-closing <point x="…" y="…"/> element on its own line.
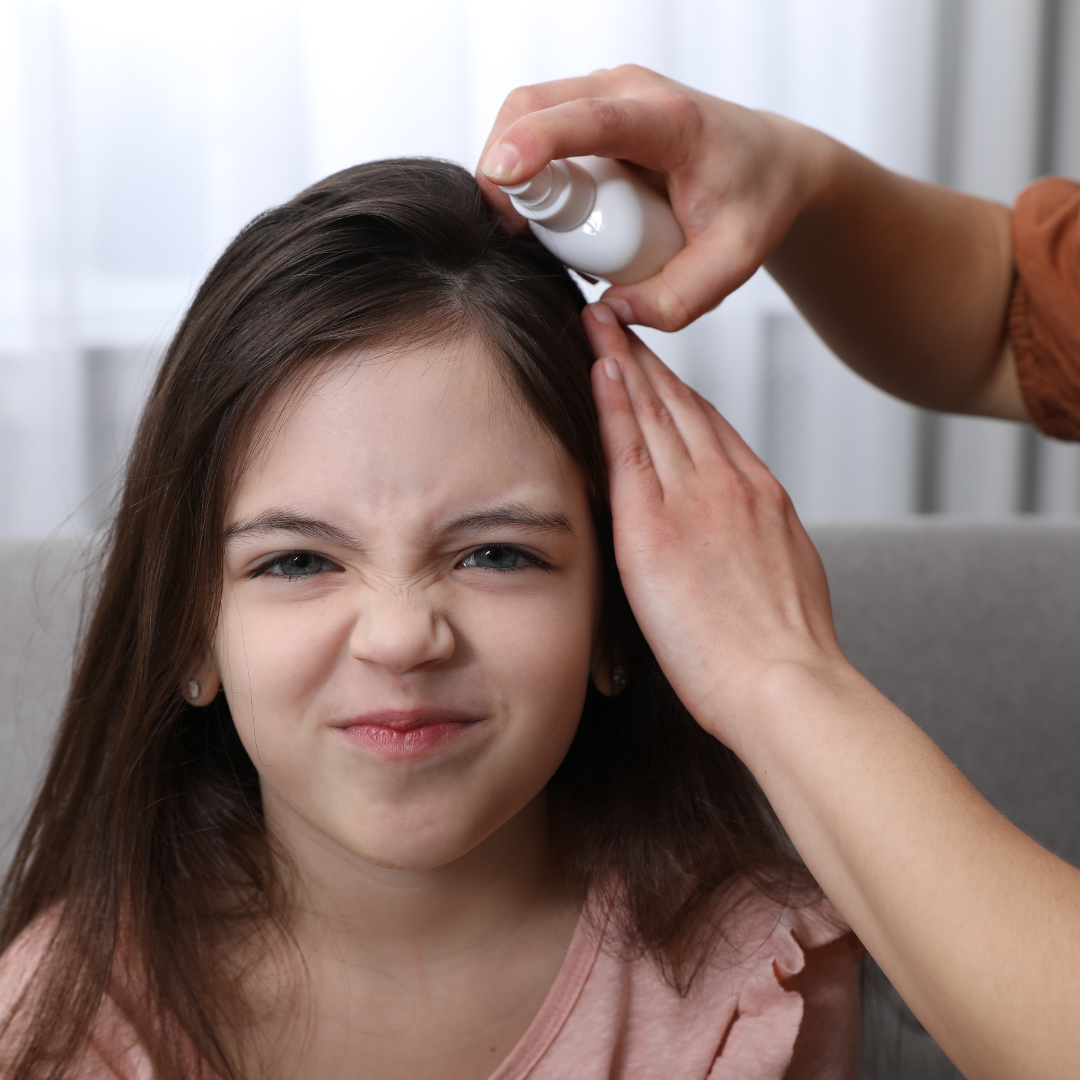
<point x="974" y="631"/>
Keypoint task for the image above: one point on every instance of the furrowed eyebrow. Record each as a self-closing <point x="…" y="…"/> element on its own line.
<point x="509" y="515"/>
<point x="275" y="520"/>
<point x="513" y="515"/>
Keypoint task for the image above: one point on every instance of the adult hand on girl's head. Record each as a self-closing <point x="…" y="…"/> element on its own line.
<point x="725" y="584"/>
<point x="736" y="178"/>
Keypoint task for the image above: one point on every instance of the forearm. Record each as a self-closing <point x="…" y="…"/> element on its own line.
<point x="907" y="282"/>
<point x="976" y="924"/>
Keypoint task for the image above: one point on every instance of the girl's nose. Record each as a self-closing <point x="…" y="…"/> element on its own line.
<point x="400" y="635"/>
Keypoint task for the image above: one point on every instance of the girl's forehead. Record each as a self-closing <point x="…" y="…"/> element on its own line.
<point x="449" y="384"/>
<point x="455" y="380"/>
<point x="433" y="422"/>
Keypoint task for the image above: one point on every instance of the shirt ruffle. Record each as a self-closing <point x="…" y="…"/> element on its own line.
<point x="761" y="1041"/>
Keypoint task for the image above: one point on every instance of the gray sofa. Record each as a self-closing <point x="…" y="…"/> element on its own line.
<point x="974" y="630"/>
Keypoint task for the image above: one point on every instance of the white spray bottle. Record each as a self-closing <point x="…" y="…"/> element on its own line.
<point x="599" y="218"/>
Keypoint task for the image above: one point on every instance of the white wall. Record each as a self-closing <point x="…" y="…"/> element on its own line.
<point x="137" y="138"/>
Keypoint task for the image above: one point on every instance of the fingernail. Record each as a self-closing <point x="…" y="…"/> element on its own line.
<point x="611" y="369"/>
<point x="500" y="162"/>
<point x="622" y="309"/>
<point x="602" y="313"/>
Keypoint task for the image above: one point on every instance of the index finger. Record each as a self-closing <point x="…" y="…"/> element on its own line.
<point x="528" y="99"/>
<point x="630" y="128"/>
<point x="628" y="113"/>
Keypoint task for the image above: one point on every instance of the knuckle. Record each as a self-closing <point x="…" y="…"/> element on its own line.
<point x="741" y="495"/>
<point x="632" y="72"/>
<point x="684" y="111"/>
<point x="787" y="507"/>
<point x="685" y="123"/>
<point x="654" y="409"/>
<point x="525" y="99"/>
<point x="632" y="457"/>
<point x="602" y="112"/>
<point x="775" y="493"/>
<point x="677" y="388"/>
<point x="707" y="406"/>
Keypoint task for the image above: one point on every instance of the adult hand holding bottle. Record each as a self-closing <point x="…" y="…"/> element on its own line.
<point x="906" y="282"/>
<point x="732" y="176"/>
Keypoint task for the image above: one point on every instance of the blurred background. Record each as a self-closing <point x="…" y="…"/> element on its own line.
<point x="137" y="136"/>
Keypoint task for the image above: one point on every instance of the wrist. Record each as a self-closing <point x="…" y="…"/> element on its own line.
<point x="784" y="706"/>
<point x="818" y="167"/>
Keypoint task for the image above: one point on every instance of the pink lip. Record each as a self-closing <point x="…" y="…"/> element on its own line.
<point x="408" y="733"/>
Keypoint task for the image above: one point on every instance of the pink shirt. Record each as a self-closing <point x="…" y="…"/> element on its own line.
<point x="606" y="1018"/>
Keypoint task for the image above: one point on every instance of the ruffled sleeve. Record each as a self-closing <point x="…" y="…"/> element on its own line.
<point x="1044" y="311"/>
<point x="761" y="1041"/>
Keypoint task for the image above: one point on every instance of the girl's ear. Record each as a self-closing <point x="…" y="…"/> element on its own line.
<point x="608" y="676"/>
<point x="203" y="684"/>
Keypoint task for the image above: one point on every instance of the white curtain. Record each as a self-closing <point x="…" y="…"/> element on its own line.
<point x="136" y="138"/>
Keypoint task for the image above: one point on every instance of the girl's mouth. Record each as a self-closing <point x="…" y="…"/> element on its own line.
<point x="409" y="733"/>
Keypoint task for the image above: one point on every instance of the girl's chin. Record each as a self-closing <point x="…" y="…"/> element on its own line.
<point x="404" y="843"/>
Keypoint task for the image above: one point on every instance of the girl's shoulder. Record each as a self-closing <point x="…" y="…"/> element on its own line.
<point x="113" y="1050"/>
<point x="779" y="990"/>
<point x="23" y="959"/>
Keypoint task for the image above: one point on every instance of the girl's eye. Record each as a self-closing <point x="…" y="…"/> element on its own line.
<point x="501" y="557"/>
<point x="297" y="564"/>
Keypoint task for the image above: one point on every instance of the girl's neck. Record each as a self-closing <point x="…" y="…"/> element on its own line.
<point x="358" y="909"/>
<point x="418" y="973"/>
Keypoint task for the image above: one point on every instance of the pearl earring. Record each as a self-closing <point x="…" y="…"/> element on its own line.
<point x="618" y="678"/>
<point x="193" y="690"/>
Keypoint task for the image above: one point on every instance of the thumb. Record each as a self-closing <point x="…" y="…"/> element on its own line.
<point x="708" y="269"/>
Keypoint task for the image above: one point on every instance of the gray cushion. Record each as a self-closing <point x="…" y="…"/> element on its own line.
<point x="972" y="629"/>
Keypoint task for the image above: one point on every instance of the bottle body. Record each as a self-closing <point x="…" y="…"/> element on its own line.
<point x="626" y="232"/>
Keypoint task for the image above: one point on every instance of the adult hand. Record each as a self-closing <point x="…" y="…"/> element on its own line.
<point x="736" y="178"/>
<point x="722" y="577"/>
<point x="975" y="924"/>
<point x="906" y="282"/>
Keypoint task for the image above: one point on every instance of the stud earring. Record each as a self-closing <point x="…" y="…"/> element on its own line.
<point x="193" y="690"/>
<point x="618" y="678"/>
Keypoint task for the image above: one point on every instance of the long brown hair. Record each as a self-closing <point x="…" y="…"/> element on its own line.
<point x="146" y="838"/>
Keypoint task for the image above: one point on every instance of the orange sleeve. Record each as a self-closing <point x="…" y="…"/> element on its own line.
<point x="1044" y="310"/>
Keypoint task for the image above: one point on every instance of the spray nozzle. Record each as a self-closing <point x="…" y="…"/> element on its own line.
<point x="533" y="191"/>
<point x="560" y="196"/>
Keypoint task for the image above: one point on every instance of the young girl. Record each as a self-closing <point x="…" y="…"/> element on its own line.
<point x="366" y="769"/>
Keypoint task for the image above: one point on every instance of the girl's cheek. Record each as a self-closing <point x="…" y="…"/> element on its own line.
<point x="543" y="646"/>
<point x="274" y="657"/>
<point x="296" y="652"/>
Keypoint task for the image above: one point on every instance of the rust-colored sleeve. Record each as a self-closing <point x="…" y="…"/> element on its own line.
<point x="1044" y="311"/>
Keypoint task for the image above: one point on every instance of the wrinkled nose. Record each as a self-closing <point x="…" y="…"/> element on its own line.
<point x="401" y="635"/>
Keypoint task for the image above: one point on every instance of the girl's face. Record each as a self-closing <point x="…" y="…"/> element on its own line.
<point x="410" y="607"/>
